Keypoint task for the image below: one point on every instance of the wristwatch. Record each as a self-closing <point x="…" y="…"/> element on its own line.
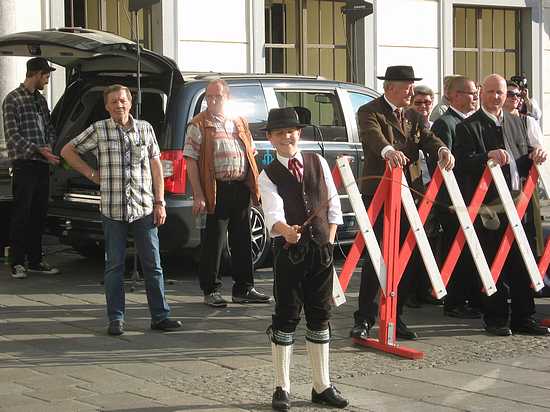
<point x="159" y="203"/>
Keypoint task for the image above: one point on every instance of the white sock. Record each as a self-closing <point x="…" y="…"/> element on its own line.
<point x="281" y="355"/>
<point x="319" y="360"/>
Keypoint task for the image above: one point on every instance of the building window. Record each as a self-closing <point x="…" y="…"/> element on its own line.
<point x="485" y="41"/>
<point x="306" y="37"/>
<point x="109" y="15"/>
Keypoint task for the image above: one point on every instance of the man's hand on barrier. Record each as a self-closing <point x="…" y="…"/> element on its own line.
<point x="396" y="158"/>
<point x="446" y="159"/>
<point x="538" y="155"/>
<point x="499" y="156"/>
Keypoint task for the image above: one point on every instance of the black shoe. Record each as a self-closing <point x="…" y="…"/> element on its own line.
<point x="403" y="332"/>
<point x="430" y="300"/>
<point x="215" y="300"/>
<point x="462" y="312"/>
<point x="166" y="325"/>
<point x="498" y="330"/>
<point x="280" y="400"/>
<point x="251" y="296"/>
<point x="330" y="396"/>
<point x="360" y="330"/>
<point x="44" y="269"/>
<point x="530" y="326"/>
<point x="543" y="293"/>
<point x="413" y="303"/>
<point x="116" y="328"/>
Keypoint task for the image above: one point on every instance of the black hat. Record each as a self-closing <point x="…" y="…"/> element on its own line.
<point x="39" y="63"/>
<point x="282" y="119"/>
<point x="399" y="73"/>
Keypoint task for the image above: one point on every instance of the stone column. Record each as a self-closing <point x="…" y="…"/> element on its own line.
<point x="8" y="75"/>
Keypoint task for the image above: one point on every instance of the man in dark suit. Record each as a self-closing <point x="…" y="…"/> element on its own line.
<point x="464" y="288"/>
<point x="493" y="134"/>
<point x="389" y="135"/>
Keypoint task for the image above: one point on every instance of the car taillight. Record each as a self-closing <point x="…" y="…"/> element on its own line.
<point x="174" y="169"/>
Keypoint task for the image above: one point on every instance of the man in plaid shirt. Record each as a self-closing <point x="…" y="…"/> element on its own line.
<point x="29" y="136"/>
<point x="132" y="195"/>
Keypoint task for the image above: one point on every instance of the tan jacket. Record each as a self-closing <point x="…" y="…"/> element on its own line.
<point x="206" y="158"/>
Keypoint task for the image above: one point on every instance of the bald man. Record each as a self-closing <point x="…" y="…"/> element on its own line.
<point x="491" y="133"/>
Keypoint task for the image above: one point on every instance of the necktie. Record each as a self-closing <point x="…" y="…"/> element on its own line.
<point x="296" y="167"/>
<point x="399" y="116"/>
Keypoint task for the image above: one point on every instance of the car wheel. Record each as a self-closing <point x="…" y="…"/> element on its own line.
<point x="261" y="242"/>
<point x="91" y="249"/>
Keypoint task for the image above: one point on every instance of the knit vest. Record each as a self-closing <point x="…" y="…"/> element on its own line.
<point x="301" y="200"/>
<point x="206" y="159"/>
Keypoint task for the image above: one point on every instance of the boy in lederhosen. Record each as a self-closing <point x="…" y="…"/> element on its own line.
<point x="293" y="188"/>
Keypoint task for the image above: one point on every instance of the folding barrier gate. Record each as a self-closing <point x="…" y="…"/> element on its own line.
<point x="389" y="264"/>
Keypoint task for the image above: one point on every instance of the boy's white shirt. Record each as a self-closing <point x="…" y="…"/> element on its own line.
<point x="272" y="203"/>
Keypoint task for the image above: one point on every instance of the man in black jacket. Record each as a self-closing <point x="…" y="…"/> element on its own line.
<point x="464" y="288"/>
<point x="492" y="134"/>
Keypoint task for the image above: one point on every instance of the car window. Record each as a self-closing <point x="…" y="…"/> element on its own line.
<point x="323" y="110"/>
<point x="248" y="102"/>
<point x="358" y="100"/>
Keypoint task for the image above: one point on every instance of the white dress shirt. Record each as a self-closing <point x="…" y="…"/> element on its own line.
<point x="272" y="202"/>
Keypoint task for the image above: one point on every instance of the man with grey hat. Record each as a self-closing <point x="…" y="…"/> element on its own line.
<point x="391" y="135"/>
<point x="30" y="136"/>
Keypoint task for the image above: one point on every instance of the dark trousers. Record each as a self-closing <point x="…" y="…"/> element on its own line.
<point x="231" y="218"/>
<point x="31" y="186"/>
<point x="368" y="290"/>
<point x="306" y="284"/>
<point x="514" y="282"/>
<point x="464" y="284"/>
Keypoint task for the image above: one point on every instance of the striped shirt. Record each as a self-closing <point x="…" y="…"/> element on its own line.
<point x="230" y="162"/>
<point x="27" y="125"/>
<point x="123" y="156"/>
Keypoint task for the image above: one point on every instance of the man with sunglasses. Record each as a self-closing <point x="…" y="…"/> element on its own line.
<point x="30" y="136"/>
<point x="463" y="296"/>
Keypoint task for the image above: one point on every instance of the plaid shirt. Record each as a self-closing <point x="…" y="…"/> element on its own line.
<point x="123" y="157"/>
<point x="27" y="125"/>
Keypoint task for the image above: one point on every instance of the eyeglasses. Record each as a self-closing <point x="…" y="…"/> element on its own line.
<point x="513" y="94"/>
<point x="212" y="98"/>
<point x="469" y="93"/>
<point x="422" y="102"/>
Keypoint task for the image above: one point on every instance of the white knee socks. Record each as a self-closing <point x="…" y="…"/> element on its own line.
<point x="319" y="360"/>
<point x="281" y="355"/>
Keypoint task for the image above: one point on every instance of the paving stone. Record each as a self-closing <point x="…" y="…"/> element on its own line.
<point x="12" y="400"/>
<point x="8" y="388"/>
<point x="58" y="393"/>
<point x="121" y="400"/>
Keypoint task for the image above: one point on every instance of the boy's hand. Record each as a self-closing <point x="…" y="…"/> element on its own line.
<point x="292" y="234"/>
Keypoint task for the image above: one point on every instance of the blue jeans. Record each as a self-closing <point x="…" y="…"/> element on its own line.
<point x="147" y="245"/>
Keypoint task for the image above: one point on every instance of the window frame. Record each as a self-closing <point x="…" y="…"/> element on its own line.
<point x="479" y="49"/>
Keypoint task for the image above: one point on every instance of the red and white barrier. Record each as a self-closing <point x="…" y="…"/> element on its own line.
<point x="392" y="193"/>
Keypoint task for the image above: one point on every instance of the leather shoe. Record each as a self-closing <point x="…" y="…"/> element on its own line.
<point x="116" y="328"/>
<point x="330" y="396"/>
<point x="498" y="330"/>
<point x="360" y="330"/>
<point x="280" y="400"/>
<point x="403" y="332"/>
<point x="543" y="293"/>
<point x="462" y="312"/>
<point x="166" y="325"/>
<point x="413" y="303"/>
<point x="251" y="296"/>
<point x="430" y="300"/>
<point x="530" y="326"/>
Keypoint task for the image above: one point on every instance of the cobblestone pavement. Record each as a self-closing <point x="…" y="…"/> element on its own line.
<point x="56" y="356"/>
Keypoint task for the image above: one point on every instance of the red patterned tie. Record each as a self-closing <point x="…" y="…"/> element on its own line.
<point x="399" y="116"/>
<point x="295" y="167"/>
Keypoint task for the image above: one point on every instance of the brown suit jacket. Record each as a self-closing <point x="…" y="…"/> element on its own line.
<point x="378" y="127"/>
